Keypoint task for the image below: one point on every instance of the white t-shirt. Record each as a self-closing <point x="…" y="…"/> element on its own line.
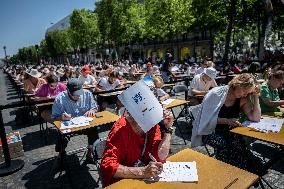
<point x="190" y="71"/>
<point x="105" y="85"/>
<point x="89" y="80"/>
<point x="160" y="92"/>
<point x="198" y="84"/>
<point x="199" y="70"/>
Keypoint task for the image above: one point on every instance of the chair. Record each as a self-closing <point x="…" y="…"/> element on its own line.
<point x="98" y="150"/>
<point x="177" y="90"/>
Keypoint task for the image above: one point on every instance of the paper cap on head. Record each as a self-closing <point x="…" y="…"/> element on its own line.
<point x="142" y="105"/>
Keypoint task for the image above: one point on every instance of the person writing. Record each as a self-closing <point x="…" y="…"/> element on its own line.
<point x="269" y="97"/>
<point x="75" y="102"/>
<point x="140" y="154"/>
<point x="201" y="83"/>
<point x="219" y="113"/>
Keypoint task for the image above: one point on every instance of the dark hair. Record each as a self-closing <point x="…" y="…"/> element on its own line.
<point x="277" y="75"/>
<point x="51" y="79"/>
<point x="113" y="74"/>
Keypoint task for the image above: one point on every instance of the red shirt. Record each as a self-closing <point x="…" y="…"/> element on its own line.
<point x="124" y="147"/>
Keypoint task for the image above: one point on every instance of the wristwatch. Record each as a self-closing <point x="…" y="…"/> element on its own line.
<point x="169" y="130"/>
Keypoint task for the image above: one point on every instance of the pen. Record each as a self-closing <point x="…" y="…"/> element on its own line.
<point x="231" y="183"/>
<point x="152" y="157"/>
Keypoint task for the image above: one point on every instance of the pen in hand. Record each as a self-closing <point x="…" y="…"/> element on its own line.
<point x="152" y="157"/>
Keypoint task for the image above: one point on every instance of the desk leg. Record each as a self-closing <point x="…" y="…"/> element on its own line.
<point x="177" y="124"/>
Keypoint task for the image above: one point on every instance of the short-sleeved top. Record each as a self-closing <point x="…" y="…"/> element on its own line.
<point x="89" y="80"/>
<point x="63" y="103"/>
<point x="44" y="90"/>
<point x="30" y="87"/>
<point x="199" y="70"/>
<point x="106" y="86"/>
<point x="268" y="93"/>
<point x="198" y="84"/>
<point x="158" y="92"/>
<point x="124" y="147"/>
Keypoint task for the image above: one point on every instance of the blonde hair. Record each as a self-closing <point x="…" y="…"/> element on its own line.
<point x="158" y="79"/>
<point x="243" y="80"/>
<point x="210" y="64"/>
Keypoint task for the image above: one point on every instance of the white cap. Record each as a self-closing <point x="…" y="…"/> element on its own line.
<point x="211" y="72"/>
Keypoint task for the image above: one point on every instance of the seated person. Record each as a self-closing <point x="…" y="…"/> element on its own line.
<point x="202" y="67"/>
<point x="86" y="78"/>
<point x="124" y="156"/>
<point x="149" y="73"/>
<point x="158" y="91"/>
<point x="202" y="83"/>
<point x="75" y="102"/>
<point x="107" y="84"/>
<point x="191" y="70"/>
<point x="49" y="90"/>
<point x="220" y="112"/>
<point x="33" y="81"/>
<point x="68" y="74"/>
<point x="269" y="98"/>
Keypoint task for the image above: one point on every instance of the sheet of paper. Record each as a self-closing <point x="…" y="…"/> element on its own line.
<point x="168" y="101"/>
<point x="266" y="124"/>
<point x="142" y="104"/>
<point x="178" y="172"/>
<point x="174" y="69"/>
<point x="76" y="122"/>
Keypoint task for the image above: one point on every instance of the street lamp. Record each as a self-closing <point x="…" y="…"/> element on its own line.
<point x="5" y="52"/>
<point x="36" y="47"/>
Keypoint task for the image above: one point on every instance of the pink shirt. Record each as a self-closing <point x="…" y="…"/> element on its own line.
<point x="44" y="90"/>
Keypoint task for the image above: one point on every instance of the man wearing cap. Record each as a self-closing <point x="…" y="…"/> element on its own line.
<point x="201" y="83"/>
<point x="75" y="102"/>
<point x="86" y="78"/>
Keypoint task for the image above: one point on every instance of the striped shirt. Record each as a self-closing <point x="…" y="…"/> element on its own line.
<point x="63" y="103"/>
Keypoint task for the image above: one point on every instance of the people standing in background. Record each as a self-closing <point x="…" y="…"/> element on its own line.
<point x="165" y="70"/>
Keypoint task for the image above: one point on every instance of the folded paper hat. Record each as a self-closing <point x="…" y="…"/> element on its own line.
<point x="142" y="105"/>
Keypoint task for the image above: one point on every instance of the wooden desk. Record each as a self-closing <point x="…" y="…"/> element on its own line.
<point x="212" y="174"/>
<point x="130" y="82"/>
<point x="107" y="117"/>
<point x="168" y="85"/>
<point x="115" y="93"/>
<point x="89" y="87"/>
<point x="276" y="138"/>
<point x="176" y="103"/>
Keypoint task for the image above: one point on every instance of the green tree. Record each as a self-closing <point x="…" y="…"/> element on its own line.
<point x="166" y="18"/>
<point x="84" y="29"/>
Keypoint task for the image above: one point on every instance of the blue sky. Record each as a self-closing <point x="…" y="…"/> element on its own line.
<point x="24" y="22"/>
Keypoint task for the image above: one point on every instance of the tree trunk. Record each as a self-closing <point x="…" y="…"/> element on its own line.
<point x="211" y="44"/>
<point x="231" y="16"/>
<point x="266" y="27"/>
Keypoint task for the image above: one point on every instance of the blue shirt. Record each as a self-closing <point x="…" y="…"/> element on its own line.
<point x="63" y="103"/>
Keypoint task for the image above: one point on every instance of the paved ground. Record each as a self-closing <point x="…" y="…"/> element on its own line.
<point x="39" y="156"/>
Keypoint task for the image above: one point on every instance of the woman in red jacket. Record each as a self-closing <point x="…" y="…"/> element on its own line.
<point x="129" y="149"/>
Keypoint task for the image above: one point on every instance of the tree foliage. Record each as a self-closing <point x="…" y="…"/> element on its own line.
<point x="84" y="29"/>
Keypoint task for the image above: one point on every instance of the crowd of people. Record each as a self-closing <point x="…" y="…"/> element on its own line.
<point x="254" y="90"/>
